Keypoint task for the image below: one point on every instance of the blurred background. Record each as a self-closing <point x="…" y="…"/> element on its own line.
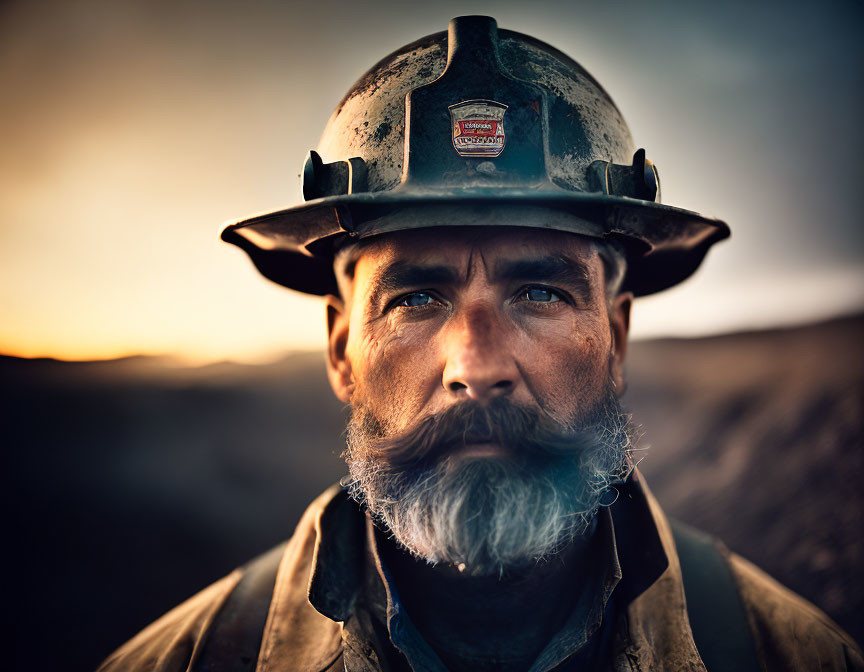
<point x="163" y="410"/>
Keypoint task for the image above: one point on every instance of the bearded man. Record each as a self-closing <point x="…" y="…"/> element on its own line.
<point x="479" y="234"/>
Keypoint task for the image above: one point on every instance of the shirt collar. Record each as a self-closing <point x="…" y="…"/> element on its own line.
<point x="588" y="612"/>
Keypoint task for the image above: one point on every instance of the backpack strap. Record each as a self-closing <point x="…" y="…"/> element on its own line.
<point x="718" y="620"/>
<point x="234" y="638"/>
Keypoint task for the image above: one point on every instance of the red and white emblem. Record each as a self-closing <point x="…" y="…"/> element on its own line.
<point x="478" y="127"/>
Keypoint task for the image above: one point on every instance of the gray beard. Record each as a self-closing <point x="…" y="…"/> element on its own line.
<point x="491" y="515"/>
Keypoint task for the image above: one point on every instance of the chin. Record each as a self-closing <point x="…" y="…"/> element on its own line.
<point x="487" y="513"/>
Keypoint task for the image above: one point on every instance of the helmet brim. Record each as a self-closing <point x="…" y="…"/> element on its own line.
<point x="294" y="247"/>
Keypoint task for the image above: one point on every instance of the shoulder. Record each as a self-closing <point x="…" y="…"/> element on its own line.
<point x="170" y="643"/>
<point x="175" y="641"/>
<point x="790" y="632"/>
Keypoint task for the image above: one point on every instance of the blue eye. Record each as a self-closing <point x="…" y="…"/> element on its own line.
<point x="541" y="294"/>
<point x="415" y="300"/>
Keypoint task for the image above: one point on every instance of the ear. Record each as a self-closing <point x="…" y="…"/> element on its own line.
<point x="338" y="367"/>
<point x="619" y="322"/>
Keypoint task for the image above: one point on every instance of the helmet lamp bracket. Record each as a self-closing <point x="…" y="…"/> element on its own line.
<point x="639" y="180"/>
<point x="332" y="179"/>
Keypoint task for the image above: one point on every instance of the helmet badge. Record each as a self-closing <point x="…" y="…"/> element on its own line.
<point x="478" y="127"/>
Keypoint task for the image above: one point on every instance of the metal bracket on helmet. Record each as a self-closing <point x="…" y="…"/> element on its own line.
<point x="475" y="74"/>
<point x="639" y="180"/>
<point x="332" y="179"/>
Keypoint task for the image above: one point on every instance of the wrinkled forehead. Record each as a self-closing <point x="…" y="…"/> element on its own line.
<point x="465" y="249"/>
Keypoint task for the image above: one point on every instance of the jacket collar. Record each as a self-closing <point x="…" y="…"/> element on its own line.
<point x="641" y="551"/>
<point x="341" y="540"/>
<point x="658" y="634"/>
<point x="322" y="572"/>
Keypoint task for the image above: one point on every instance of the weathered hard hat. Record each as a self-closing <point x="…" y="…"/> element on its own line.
<point x="476" y="126"/>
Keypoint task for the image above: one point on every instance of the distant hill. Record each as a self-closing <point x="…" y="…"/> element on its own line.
<point x="759" y="439"/>
<point x="136" y="482"/>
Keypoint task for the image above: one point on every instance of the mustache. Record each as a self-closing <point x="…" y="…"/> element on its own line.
<point x="523" y="431"/>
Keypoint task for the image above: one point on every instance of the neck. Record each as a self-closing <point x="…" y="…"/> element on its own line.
<point x="503" y="620"/>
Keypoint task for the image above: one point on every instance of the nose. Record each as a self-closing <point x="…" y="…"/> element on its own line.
<point x="480" y="363"/>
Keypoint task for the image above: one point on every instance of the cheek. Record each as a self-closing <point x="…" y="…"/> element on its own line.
<point x="396" y="374"/>
<point x="567" y="367"/>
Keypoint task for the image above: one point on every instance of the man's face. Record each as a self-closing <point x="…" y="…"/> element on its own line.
<point x="475" y="326"/>
<point x="438" y="316"/>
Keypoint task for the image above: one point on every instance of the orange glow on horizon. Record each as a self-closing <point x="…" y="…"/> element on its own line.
<point x="133" y="138"/>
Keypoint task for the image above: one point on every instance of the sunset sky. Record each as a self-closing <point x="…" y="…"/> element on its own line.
<point x="132" y="130"/>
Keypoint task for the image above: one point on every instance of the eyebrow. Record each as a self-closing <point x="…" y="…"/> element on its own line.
<point x="402" y="275"/>
<point x="553" y="269"/>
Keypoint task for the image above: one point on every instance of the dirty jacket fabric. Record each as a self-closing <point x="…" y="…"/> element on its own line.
<point x="650" y="632"/>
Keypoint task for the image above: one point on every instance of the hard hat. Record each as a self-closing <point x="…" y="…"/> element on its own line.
<point x="477" y="126"/>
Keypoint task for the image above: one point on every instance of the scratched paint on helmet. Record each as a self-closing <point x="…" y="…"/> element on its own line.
<point x="584" y="123"/>
<point x="369" y="122"/>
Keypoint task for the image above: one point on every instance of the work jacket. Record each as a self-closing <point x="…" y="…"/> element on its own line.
<point x="651" y="629"/>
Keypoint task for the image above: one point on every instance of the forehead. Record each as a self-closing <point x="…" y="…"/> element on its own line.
<point x="466" y="245"/>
